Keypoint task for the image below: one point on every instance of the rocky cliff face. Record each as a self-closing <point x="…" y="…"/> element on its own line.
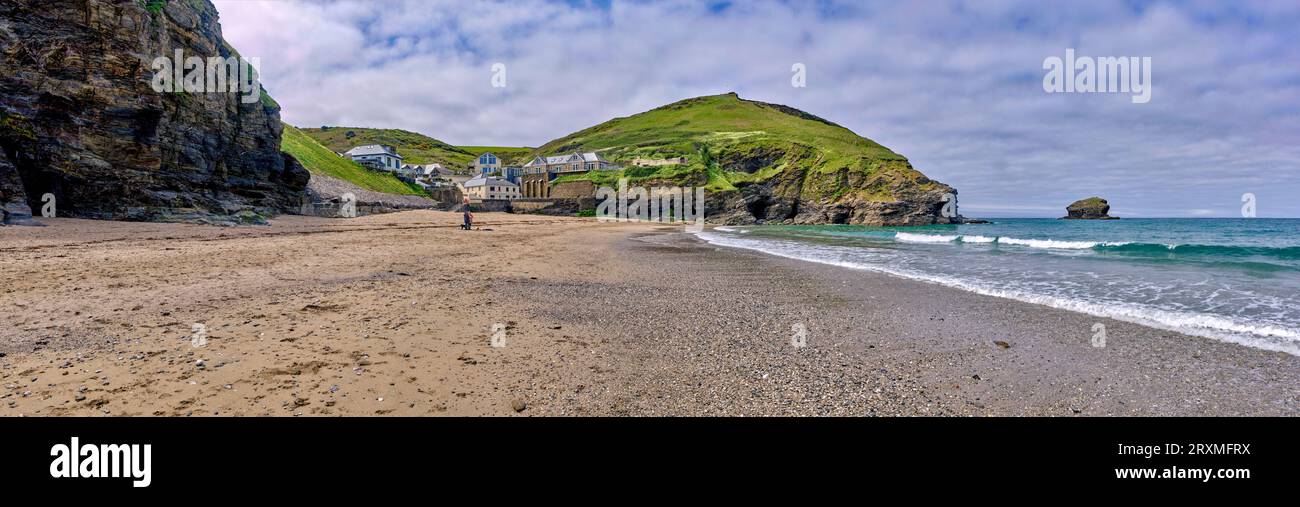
<point x="79" y="118"/>
<point x="1092" y="208"/>
<point x="799" y="195"/>
<point x="762" y="162"/>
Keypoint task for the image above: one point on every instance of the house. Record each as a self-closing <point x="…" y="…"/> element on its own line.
<point x="540" y="171"/>
<point x="572" y="163"/>
<point x="489" y="187"/>
<point x="511" y="173"/>
<point x="376" y="156"/>
<point x="485" y="164"/>
<point x="421" y="171"/>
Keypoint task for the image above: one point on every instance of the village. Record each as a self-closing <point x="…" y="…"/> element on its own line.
<point x="488" y="181"/>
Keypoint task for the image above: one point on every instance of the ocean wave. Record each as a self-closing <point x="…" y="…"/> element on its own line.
<point x="1266" y="337"/>
<point x="923" y="238"/>
<point x="1123" y="247"/>
<point x="1048" y="243"/>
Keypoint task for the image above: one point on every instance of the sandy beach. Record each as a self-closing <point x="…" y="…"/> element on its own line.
<point x="396" y="315"/>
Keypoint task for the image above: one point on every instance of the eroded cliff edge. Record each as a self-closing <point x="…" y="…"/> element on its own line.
<point x="79" y="118"/>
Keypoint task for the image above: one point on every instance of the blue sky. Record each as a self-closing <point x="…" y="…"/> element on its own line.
<point x="955" y="86"/>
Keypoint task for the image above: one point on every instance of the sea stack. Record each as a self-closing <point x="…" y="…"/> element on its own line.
<point x="1092" y="208"/>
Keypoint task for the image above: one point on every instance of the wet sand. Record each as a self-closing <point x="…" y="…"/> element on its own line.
<point x="396" y="314"/>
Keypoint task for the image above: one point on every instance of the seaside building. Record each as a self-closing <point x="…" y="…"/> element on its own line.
<point x="376" y="156"/>
<point x="490" y="187"/>
<point x="540" y="171"/>
<point x="485" y="164"/>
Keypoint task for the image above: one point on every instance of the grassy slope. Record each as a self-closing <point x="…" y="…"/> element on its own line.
<point x="730" y="141"/>
<point x="512" y="155"/>
<point x="320" y="160"/>
<point x="414" y="148"/>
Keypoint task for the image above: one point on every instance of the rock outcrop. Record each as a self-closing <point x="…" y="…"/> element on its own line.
<point x="80" y="119"/>
<point x="325" y="198"/>
<point x="1092" y="208"/>
<point x="799" y="195"/>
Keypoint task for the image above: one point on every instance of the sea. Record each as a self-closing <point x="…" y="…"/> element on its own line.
<point x="1235" y="280"/>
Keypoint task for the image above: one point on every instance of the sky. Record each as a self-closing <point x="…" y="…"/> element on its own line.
<point x="956" y="87"/>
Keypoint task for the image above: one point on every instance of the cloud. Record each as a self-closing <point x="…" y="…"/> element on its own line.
<point x="955" y="86"/>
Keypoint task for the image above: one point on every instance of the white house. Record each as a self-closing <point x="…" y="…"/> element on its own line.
<point x="421" y="171"/>
<point x="488" y="187"/>
<point x="376" y="156"/>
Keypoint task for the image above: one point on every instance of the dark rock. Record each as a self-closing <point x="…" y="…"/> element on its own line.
<point x="79" y="119"/>
<point x="1092" y="208"/>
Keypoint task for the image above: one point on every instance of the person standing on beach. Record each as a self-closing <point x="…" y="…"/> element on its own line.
<point x="469" y="217"/>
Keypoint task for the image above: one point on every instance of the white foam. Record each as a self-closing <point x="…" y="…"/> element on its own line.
<point x="923" y="238"/>
<point x="977" y="239"/>
<point x="1272" y="338"/>
<point x="1048" y="243"/>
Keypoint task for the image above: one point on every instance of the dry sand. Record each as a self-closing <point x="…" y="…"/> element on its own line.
<point x="395" y="314"/>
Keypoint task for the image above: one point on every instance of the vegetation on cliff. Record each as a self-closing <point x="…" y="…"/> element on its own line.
<point x="415" y="148"/>
<point x="320" y="160"/>
<point x="767" y="161"/>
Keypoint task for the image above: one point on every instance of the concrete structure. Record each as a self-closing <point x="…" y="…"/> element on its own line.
<point x="540" y="171"/>
<point x="656" y="162"/>
<point x="491" y="188"/>
<point x="376" y="156"/>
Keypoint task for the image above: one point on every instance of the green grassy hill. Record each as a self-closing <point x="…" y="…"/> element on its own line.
<point x="797" y="166"/>
<point x="414" y="148"/>
<point x="320" y="160"/>
<point x="512" y="155"/>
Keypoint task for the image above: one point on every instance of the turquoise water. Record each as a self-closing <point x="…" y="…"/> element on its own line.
<point x="1236" y="280"/>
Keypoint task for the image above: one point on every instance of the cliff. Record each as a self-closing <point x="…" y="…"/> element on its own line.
<point x="80" y="118"/>
<point x="763" y="162"/>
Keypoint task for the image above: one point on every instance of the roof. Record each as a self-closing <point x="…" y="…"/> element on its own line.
<point x="479" y="181"/>
<point x="590" y="156"/>
<point x="372" y="149"/>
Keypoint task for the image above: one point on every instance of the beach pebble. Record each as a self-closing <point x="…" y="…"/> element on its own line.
<point x="518" y="405"/>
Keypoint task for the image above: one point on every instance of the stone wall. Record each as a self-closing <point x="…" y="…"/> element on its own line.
<point x="573" y="190"/>
<point x="489" y="205"/>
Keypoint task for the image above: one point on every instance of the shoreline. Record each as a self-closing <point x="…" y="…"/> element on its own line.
<point x="394" y="314"/>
